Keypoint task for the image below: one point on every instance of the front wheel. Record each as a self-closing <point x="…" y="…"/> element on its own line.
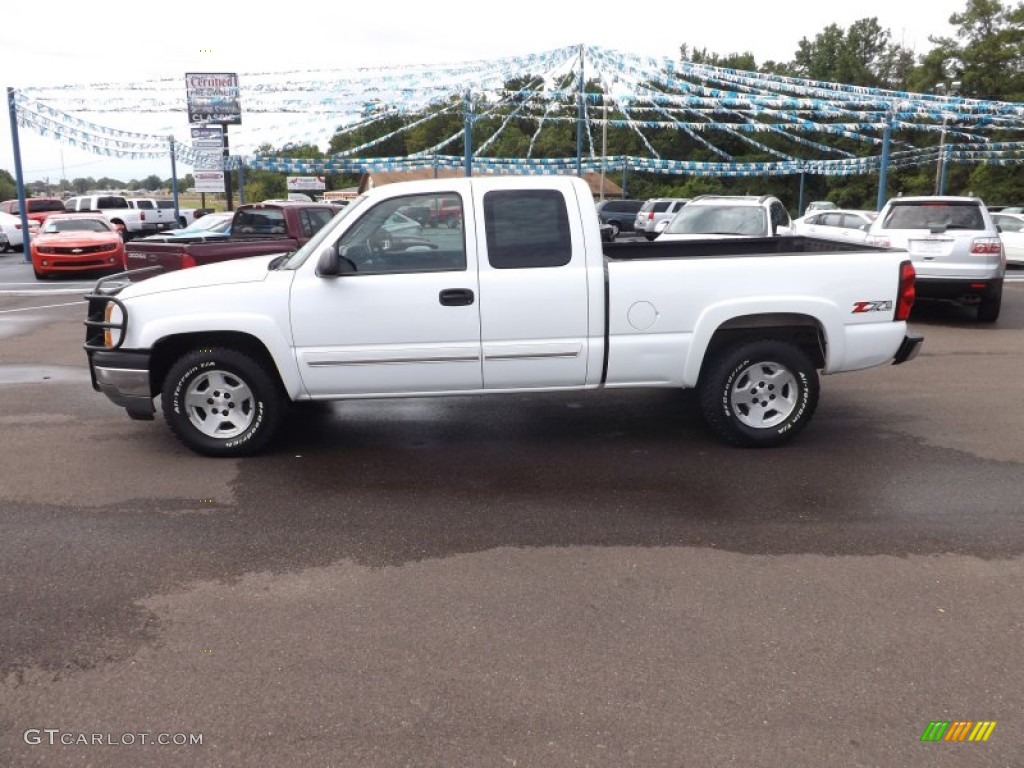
<point x="760" y="393"/>
<point x="220" y="402"/>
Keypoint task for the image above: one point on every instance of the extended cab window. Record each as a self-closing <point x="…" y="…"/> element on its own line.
<point x="527" y="228"/>
<point x="313" y="219"/>
<point x="111" y="202"/>
<point x="401" y="235"/>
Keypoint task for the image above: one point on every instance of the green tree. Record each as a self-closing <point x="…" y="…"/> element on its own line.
<point x="988" y="48"/>
<point x="8" y="186"/>
<point x="864" y="55"/>
<point x="152" y="183"/>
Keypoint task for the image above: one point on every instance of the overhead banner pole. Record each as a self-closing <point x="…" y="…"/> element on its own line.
<point x="19" y="177"/>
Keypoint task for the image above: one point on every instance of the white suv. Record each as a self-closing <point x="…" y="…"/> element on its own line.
<point x="655" y="211"/>
<point x="954" y="245"/>
<point x="714" y="216"/>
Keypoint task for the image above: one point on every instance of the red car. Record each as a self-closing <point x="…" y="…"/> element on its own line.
<point x="37" y="208"/>
<point x="77" y="242"/>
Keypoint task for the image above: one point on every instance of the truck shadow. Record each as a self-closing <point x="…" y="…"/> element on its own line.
<point x="392" y="481"/>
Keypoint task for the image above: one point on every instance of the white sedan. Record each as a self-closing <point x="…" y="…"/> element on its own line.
<point x="842" y="224"/>
<point x="10" y="231"/>
<point x="1011" y="232"/>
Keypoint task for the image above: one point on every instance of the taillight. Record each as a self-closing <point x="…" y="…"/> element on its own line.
<point x="187" y="260"/>
<point x="905" y="294"/>
<point x="985" y="245"/>
<point x="142" y="215"/>
<point x="650" y="216"/>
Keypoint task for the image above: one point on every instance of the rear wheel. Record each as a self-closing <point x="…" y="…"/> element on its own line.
<point x="988" y="309"/>
<point x="759" y="393"/>
<point x="615" y="228"/>
<point x="220" y="402"/>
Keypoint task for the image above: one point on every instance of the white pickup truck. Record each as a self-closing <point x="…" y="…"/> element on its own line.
<point x="161" y="210"/>
<point x="131" y="221"/>
<point x="523" y="296"/>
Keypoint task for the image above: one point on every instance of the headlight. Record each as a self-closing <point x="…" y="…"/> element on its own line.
<point x="113" y="314"/>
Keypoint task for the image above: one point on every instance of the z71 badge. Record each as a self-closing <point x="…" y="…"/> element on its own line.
<point x="860" y="307"/>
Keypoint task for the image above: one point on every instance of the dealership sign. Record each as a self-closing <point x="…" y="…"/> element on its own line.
<point x="306" y="184"/>
<point x="213" y="97"/>
<point x="208" y="169"/>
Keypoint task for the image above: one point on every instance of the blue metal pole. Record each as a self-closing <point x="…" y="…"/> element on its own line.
<point x="18" y="175"/>
<point x="174" y="181"/>
<point x="883" y="172"/>
<point x="579" y="120"/>
<point x="800" y="201"/>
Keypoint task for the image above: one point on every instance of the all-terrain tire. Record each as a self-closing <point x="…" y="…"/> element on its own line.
<point x="759" y="393"/>
<point x="220" y="402"/>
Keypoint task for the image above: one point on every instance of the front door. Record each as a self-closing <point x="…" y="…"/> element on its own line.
<point x="406" y="320"/>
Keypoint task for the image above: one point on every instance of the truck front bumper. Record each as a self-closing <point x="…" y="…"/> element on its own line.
<point x="123" y="376"/>
<point x="909" y="348"/>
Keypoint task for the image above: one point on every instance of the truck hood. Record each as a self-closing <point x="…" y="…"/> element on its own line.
<point x="249" y="270"/>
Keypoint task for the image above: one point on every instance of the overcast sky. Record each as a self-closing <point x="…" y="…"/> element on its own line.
<point x="164" y="39"/>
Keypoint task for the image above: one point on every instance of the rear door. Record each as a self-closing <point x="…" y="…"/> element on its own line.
<point x="534" y="288"/>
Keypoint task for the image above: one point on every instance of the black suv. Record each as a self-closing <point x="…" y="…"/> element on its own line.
<point x="619" y="214"/>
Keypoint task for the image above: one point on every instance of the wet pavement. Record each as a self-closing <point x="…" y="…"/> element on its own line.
<point x="546" y="580"/>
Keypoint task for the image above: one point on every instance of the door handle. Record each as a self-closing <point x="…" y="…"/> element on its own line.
<point x="456" y="297"/>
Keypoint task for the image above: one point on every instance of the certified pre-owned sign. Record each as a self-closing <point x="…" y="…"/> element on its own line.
<point x="213" y="97"/>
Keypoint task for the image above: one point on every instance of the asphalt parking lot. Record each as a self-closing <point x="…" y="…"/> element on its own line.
<point x="552" y="580"/>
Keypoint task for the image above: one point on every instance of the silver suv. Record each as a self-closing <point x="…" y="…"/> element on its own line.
<point x="711" y="216"/>
<point x="655" y="211"/>
<point x="954" y="246"/>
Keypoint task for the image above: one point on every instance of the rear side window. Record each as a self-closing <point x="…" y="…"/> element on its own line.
<point x="661" y="206"/>
<point x="934" y="215"/>
<point x="36" y="206"/>
<point x="527" y="229"/>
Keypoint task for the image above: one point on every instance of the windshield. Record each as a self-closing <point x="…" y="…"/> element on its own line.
<point x="210" y="223"/>
<point x="719" y="220"/>
<point x="76" y="225"/>
<point x="314" y="243"/>
<point x="934" y="216"/>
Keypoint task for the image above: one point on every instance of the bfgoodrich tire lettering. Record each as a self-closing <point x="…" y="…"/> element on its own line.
<point x="759" y="393"/>
<point x="220" y="402"/>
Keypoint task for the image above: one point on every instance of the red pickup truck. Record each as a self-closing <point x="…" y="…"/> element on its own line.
<point x="256" y="230"/>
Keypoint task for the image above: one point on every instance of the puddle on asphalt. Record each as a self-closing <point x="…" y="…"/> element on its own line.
<point x="30" y="374"/>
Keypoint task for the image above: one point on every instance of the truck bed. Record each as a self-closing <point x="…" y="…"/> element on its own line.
<point x="737" y="246"/>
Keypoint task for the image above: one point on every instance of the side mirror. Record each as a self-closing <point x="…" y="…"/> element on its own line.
<point x="333" y="264"/>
